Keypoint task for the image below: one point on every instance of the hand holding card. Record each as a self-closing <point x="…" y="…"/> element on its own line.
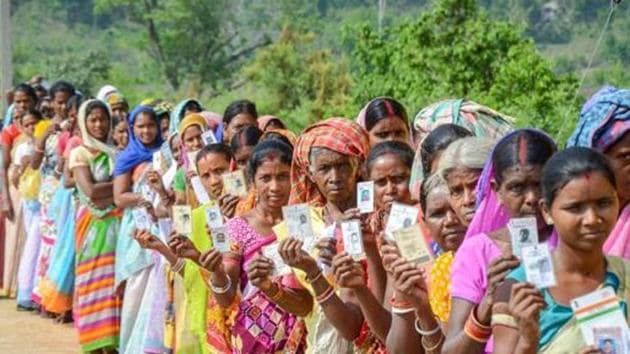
<point x="271" y="251"/>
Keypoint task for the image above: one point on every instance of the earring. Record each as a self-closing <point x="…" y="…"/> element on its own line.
<point x="549" y="221"/>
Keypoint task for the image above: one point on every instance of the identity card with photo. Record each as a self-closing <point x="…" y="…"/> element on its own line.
<point x="523" y="233"/>
<point x="214" y="218"/>
<point x="400" y="216"/>
<point x="412" y="245"/>
<point x="220" y="239"/>
<point x="365" y="196"/>
<point x="353" y="238"/>
<point x="539" y="265"/>
<point x="200" y="191"/>
<point x="182" y="219"/>
<point x="279" y="267"/>
<point x="235" y="184"/>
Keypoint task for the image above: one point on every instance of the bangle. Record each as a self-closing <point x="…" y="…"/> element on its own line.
<point x="475" y="331"/>
<point x="278" y="294"/>
<point x="399" y="303"/>
<point x="426" y="333"/>
<point x="222" y="290"/>
<point x="317" y="276"/>
<point x="402" y="310"/>
<point x="326" y="295"/>
<point x="434" y="347"/>
<point x="179" y="265"/>
<point x="473" y="317"/>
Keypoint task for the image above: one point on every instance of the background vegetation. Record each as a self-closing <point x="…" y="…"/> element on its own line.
<point x="306" y="59"/>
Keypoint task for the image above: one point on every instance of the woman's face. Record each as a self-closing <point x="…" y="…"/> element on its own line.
<point x="164" y="125"/>
<point x="619" y="155"/>
<point x="237" y="124"/>
<point x="335" y="175"/>
<point x="27" y="126"/>
<point x="120" y="135"/>
<point x="211" y="169"/>
<point x="145" y="129"/>
<point x="59" y="103"/>
<point x="273" y="183"/>
<point x="445" y="227"/>
<point x="191" y="138"/>
<point x="242" y="156"/>
<point x="121" y="110"/>
<point x="97" y="123"/>
<point x="519" y="191"/>
<point x="22" y="102"/>
<point x="585" y="211"/>
<point x="73" y="114"/>
<point x="275" y="124"/>
<point x="389" y="129"/>
<point x="462" y="185"/>
<point x="176" y="149"/>
<point x="391" y="181"/>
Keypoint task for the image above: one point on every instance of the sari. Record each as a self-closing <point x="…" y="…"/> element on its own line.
<point x="205" y="325"/>
<point x="260" y="325"/>
<point x="559" y="330"/>
<point x="58" y="285"/>
<point x="605" y="120"/>
<point x="480" y="120"/>
<point x="179" y="183"/>
<point x="14" y="240"/>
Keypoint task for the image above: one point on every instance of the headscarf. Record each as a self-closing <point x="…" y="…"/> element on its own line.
<point x="480" y="120"/>
<point x="285" y="133"/>
<point x="136" y="152"/>
<point x="194" y="119"/>
<point x="604" y="119"/>
<point x="264" y="121"/>
<point x="88" y="140"/>
<point x="360" y="119"/>
<point x="336" y="134"/>
<point x="178" y="114"/>
<point x="491" y="215"/>
<point x="105" y="91"/>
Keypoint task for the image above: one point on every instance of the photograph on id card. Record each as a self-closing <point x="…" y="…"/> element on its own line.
<point x="412" y="245"/>
<point x="182" y="219"/>
<point x="214" y="219"/>
<point x="208" y="138"/>
<point x="141" y="219"/>
<point x="279" y="267"/>
<point x="610" y="339"/>
<point x="365" y="196"/>
<point x="539" y="266"/>
<point x="401" y="216"/>
<point x="523" y="233"/>
<point x="353" y="238"/>
<point x="220" y="239"/>
<point x="235" y="184"/>
<point x="298" y="219"/>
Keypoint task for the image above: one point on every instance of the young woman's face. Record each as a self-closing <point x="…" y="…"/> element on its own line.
<point x="519" y="191"/>
<point x="97" y="123"/>
<point x="619" y="155"/>
<point x="462" y="185"/>
<point x="59" y="103"/>
<point x="211" y="169"/>
<point x="145" y="129"/>
<point x="120" y="135"/>
<point x="335" y="175"/>
<point x="273" y="183"/>
<point x="22" y="102"/>
<point x="389" y="129"/>
<point x="237" y="124"/>
<point x="191" y="138"/>
<point x="242" y="156"/>
<point x="585" y="211"/>
<point x="27" y="125"/>
<point x="391" y="181"/>
<point x="73" y="114"/>
<point x="444" y="226"/>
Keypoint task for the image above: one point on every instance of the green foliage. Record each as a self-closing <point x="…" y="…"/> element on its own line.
<point x="303" y="83"/>
<point x="456" y="50"/>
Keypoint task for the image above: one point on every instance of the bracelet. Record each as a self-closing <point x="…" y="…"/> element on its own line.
<point x="476" y="321"/>
<point x="426" y="333"/>
<point x="179" y="265"/>
<point x="222" y="290"/>
<point x="317" y="276"/>
<point x="402" y="310"/>
<point x="278" y="294"/>
<point x="434" y="347"/>
<point x="326" y="295"/>
<point x="399" y="303"/>
<point x="476" y="331"/>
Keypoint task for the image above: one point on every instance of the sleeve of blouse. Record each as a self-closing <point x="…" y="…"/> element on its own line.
<point x="79" y="157"/>
<point x="466" y="272"/>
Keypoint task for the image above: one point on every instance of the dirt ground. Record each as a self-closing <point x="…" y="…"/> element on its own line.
<point x="28" y="333"/>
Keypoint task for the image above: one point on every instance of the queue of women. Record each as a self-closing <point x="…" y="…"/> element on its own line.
<point x="78" y="172"/>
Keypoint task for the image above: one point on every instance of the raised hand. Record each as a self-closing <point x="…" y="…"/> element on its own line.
<point x="348" y="273"/>
<point x="525" y="304"/>
<point x="259" y="272"/>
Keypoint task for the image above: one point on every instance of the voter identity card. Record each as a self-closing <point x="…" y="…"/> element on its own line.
<point x="365" y="196"/>
<point x="400" y="216"/>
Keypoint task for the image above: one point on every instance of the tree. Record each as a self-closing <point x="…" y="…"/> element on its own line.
<point x="193" y="41"/>
<point x="456" y="50"/>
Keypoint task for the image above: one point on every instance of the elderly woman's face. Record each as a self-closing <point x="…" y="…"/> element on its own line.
<point x="334" y="174"/>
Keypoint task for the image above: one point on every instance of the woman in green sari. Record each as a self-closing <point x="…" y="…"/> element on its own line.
<point x="580" y="199"/>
